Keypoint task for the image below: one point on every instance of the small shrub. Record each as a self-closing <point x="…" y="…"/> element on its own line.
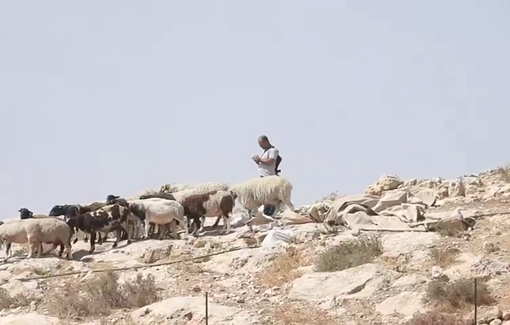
<point x="504" y="173"/>
<point x="282" y="269"/>
<point x="444" y="257"/>
<point x="459" y="293"/>
<point x="349" y="254"/>
<point x="435" y="318"/>
<point x="306" y="315"/>
<point x="399" y="263"/>
<point x="451" y="232"/>
<point x="12" y="301"/>
<point x="140" y="293"/>
<point x="98" y="296"/>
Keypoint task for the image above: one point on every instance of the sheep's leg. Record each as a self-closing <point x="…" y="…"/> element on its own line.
<point x="161" y="231"/>
<point x="134" y="230"/>
<point x="151" y="230"/>
<point x="196" y="222"/>
<point x="175" y="234"/>
<point x="75" y="234"/>
<point x="226" y="224"/>
<point x="185" y="226"/>
<point x="146" y="233"/>
<point x="216" y="223"/>
<point x="7" y="250"/>
<point x="139" y="229"/>
<point x="61" y="249"/>
<point x="67" y="246"/>
<point x="100" y="239"/>
<point x="31" y="245"/>
<point x="125" y="226"/>
<point x="130" y="229"/>
<point x="40" y="250"/>
<point x="118" y="232"/>
<point x="202" y="223"/>
<point x="190" y="222"/>
<point x="92" y="242"/>
<point x="250" y="221"/>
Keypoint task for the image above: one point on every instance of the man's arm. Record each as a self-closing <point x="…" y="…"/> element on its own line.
<point x="271" y="157"/>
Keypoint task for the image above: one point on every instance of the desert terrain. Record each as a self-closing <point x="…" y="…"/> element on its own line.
<point x="396" y="254"/>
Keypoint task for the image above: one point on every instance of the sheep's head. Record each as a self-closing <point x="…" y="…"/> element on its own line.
<point x="111" y="197"/>
<point x="58" y="210"/>
<point x="71" y="211"/>
<point x="24" y="213"/>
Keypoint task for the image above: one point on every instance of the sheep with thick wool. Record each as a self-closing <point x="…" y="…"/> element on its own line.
<point x="273" y="190"/>
<point x="20" y="232"/>
<point x="53" y="231"/>
<point x="200" y="187"/>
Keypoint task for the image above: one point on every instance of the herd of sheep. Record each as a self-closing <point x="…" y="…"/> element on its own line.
<point x="175" y="205"/>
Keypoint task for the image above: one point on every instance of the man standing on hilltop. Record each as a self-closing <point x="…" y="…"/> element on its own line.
<point x="268" y="165"/>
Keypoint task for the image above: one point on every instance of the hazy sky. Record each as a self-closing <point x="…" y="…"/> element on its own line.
<point x="114" y="97"/>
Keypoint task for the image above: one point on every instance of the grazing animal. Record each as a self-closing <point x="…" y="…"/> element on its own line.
<point x="269" y="190"/>
<point x="198" y="188"/>
<point x="160" y="212"/>
<point x="213" y="204"/>
<point x="166" y="196"/>
<point x="56" y="232"/>
<point x="109" y="218"/>
<point x="24" y="213"/>
<point x="77" y="209"/>
<point x="20" y="232"/>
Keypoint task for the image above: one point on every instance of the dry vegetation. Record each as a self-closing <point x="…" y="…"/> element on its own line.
<point x="444" y="257"/>
<point x="283" y="269"/>
<point x="98" y="296"/>
<point x="12" y="301"/>
<point x="398" y="263"/>
<point x="349" y="254"/>
<point x="292" y="315"/>
<point x="452" y="296"/>
<point x="504" y="173"/>
<point x="434" y="318"/>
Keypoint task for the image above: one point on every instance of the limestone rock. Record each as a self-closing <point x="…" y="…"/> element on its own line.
<point x="356" y="282"/>
<point x="30" y="318"/>
<point x="384" y="184"/>
<point x="405" y="303"/>
<point x="173" y="310"/>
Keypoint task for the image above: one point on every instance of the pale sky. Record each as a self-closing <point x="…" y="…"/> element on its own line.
<point x="114" y="97"/>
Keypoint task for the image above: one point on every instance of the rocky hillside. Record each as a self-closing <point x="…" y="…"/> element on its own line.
<point x="394" y="255"/>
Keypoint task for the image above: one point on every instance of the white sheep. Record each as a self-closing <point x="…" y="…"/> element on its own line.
<point x="158" y="211"/>
<point x="201" y="187"/>
<point x="20" y="232"/>
<point x="54" y="231"/>
<point x="269" y="190"/>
